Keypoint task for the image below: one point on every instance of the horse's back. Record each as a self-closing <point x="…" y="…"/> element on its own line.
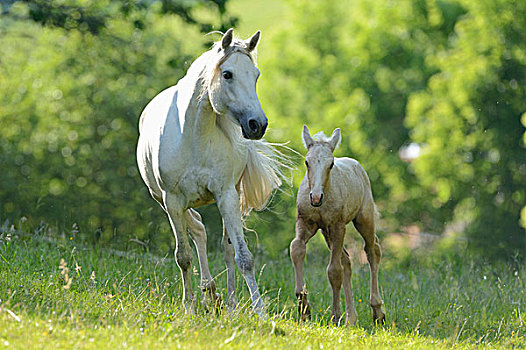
<point x="353" y="183"/>
<point x="159" y="128"/>
<point x="350" y="167"/>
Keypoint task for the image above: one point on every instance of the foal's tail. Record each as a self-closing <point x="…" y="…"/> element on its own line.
<point x="263" y="174"/>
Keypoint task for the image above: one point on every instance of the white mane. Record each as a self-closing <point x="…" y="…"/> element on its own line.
<point x="265" y="167"/>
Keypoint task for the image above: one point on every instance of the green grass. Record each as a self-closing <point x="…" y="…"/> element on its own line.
<point x="131" y="300"/>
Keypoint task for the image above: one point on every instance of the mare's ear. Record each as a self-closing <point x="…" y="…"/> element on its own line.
<point x="253" y="41"/>
<point x="307" y="139"/>
<point x="227" y="38"/>
<point x="336" y="137"/>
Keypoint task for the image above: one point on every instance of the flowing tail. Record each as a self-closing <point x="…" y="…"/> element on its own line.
<point x="263" y="174"/>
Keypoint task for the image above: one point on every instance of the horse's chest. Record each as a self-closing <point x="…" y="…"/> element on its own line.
<point x="194" y="185"/>
<point x="208" y="176"/>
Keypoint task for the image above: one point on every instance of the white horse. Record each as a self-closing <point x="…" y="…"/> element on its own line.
<point x="199" y="143"/>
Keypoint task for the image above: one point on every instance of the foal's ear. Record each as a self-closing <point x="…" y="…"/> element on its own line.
<point x="307" y="139"/>
<point x="253" y="41"/>
<point x="227" y="38"/>
<point x="336" y="137"/>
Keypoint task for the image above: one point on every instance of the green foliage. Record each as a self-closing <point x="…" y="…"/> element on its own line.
<point x="69" y="107"/>
<point x="94" y="16"/>
<point x="446" y="75"/>
<point x="113" y="300"/>
<point x="470" y="113"/>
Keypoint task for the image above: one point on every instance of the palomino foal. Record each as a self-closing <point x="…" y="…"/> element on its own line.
<point x="334" y="192"/>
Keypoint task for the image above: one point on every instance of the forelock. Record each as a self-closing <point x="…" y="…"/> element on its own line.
<point x="321" y="137"/>
<point x="218" y="56"/>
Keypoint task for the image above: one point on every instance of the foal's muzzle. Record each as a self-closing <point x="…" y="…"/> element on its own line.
<point x="316" y="200"/>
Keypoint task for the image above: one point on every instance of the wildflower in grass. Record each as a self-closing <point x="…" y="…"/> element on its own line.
<point x="359" y="300"/>
<point x="92" y="277"/>
<point x="64" y="271"/>
<point x="74" y="230"/>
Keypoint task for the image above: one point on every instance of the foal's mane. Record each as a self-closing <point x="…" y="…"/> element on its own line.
<point x="320" y="137"/>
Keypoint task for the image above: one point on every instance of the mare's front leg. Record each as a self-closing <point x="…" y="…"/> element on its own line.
<point x="298" y="248"/>
<point x="183" y="252"/>
<point x="229" y="208"/>
<point x="228" y="254"/>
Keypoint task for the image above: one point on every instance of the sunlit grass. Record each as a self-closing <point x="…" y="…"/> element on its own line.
<point x="115" y="300"/>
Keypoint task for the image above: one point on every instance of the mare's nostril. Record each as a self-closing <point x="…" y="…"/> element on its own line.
<point x="253" y="125"/>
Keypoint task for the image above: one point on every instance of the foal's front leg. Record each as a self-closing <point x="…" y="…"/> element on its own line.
<point x="334" y="238"/>
<point x="229" y="207"/>
<point x="298" y="248"/>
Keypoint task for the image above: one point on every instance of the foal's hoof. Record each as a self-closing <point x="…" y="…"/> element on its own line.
<point x="303" y="307"/>
<point x="378" y="317"/>
<point x="351" y="320"/>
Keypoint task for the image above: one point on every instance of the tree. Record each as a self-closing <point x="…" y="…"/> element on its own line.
<point x="447" y="76"/>
<point x="71" y="95"/>
<point x="468" y="119"/>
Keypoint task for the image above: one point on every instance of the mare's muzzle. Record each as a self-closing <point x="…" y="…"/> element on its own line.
<point x="254" y="128"/>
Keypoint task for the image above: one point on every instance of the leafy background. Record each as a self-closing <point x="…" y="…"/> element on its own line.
<point x="443" y="79"/>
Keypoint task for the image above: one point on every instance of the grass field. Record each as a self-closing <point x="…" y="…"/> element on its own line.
<point x="112" y="299"/>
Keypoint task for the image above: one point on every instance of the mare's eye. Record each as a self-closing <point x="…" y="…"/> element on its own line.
<point x="227" y="74"/>
<point x="332" y="164"/>
<point x="306" y="164"/>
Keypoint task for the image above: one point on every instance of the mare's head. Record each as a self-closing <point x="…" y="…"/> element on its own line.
<point x="319" y="161"/>
<point x="231" y="84"/>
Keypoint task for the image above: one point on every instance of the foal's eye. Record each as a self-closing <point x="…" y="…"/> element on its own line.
<point x="332" y="164"/>
<point x="227" y="74"/>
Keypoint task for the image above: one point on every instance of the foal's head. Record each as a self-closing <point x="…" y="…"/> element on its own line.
<point x="232" y="84"/>
<point x="319" y="161"/>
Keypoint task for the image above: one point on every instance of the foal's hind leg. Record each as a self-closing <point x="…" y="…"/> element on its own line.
<point x="298" y="248"/>
<point x="350" y="311"/>
<point x="366" y="227"/>
<point x="198" y="234"/>
<point x="228" y="254"/>
<point x="183" y="252"/>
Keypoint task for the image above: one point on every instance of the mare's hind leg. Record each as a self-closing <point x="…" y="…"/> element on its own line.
<point x="365" y="225"/>
<point x="198" y="234"/>
<point x="183" y="252"/>
<point x="298" y="248"/>
<point x="350" y="311"/>
<point x="228" y="254"/>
